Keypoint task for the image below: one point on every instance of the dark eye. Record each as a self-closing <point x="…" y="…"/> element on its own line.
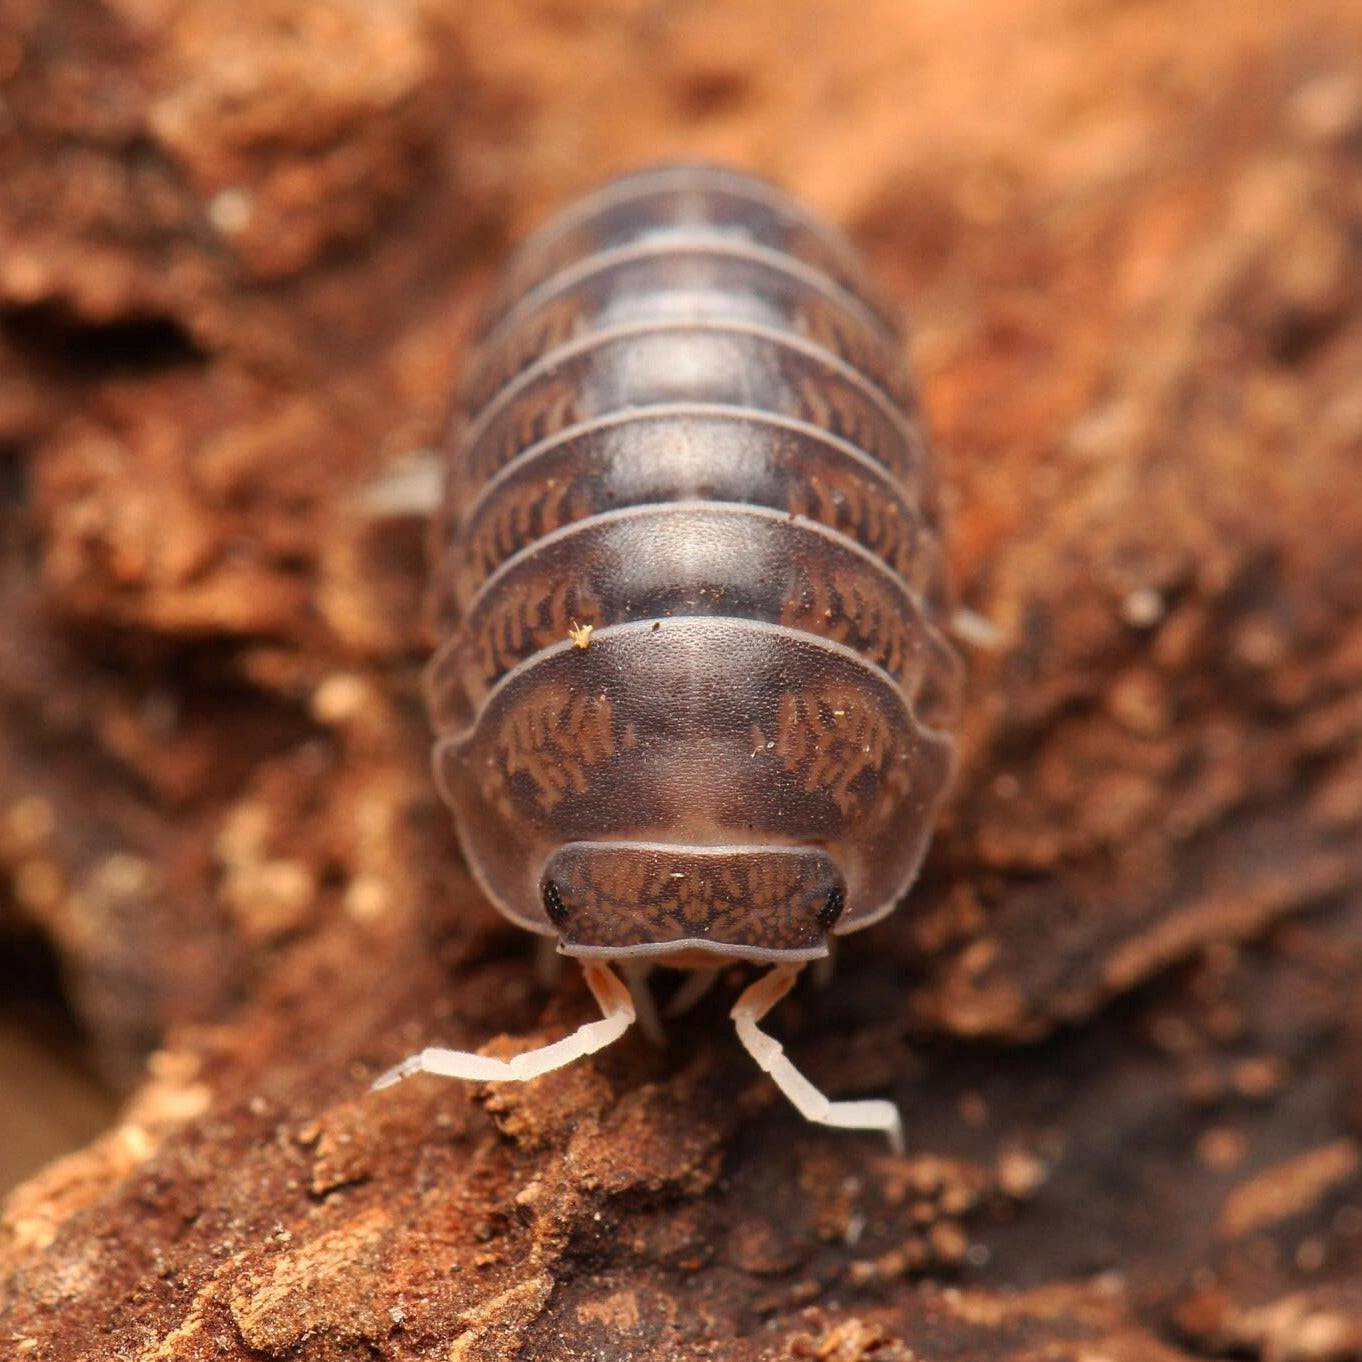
<point x="557" y="910"/>
<point x="832" y="907"/>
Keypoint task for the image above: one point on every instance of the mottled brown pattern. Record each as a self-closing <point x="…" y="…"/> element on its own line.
<point x="558" y="321"/>
<point x="723" y="731"/>
<point x="637" y="894"/>
<point x="671" y="196"/>
<point x="700" y="274"/>
<point x="822" y="321"/>
<point x="691" y="581"/>
<point x="687" y="361"/>
<point x="686" y="558"/>
<point x="691" y="451"/>
<point x="831" y="740"/>
<point x="555" y="744"/>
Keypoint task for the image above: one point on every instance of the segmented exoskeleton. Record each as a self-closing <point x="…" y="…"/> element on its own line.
<point x="693" y="697"/>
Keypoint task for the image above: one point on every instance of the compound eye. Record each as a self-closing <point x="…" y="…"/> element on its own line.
<point x="554" y="905"/>
<point x="832" y="907"/>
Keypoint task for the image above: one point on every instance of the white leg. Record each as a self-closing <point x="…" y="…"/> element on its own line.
<point x="636" y="976"/>
<point x="548" y="964"/>
<point x="823" y="970"/>
<point x="975" y="630"/>
<point x="750" y="1008"/>
<point x="411" y="485"/>
<point x="617" y="1008"/>
<point x="694" y="987"/>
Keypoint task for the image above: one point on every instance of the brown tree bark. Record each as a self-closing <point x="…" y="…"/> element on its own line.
<point x="240" y="250"/>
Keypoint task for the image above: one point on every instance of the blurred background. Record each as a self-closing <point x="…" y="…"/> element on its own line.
<point x="241" y="248"/>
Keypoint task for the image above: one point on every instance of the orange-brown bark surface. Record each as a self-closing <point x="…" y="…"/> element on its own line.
<point x="241" y="249"/>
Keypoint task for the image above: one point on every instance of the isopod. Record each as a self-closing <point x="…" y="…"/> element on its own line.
<point x="693" y="696"/>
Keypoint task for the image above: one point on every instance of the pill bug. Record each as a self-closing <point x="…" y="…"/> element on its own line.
<point x="692" y="692"/>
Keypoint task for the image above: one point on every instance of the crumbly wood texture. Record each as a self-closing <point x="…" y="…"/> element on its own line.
<point x="240" y="253"/>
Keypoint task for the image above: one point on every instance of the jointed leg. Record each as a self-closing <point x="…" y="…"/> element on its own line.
<point x="548" y="964"/>
<point x="636" y="974"/>
<point x="693" y="988"/>
<point x="617" y="1009"/>
<point x="825" y="968"/>
<point x="750" y="1008"/>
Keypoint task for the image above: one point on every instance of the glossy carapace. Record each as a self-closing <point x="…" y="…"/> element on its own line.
<point x="693" y="698"/>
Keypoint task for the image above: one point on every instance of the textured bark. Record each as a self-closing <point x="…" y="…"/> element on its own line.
<point x="240" y="251"/>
